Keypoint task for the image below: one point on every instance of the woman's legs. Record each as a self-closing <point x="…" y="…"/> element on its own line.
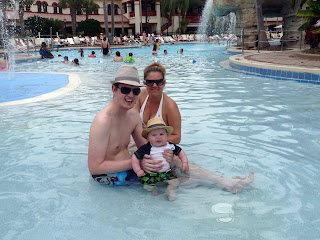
<point x="198" y="174"/>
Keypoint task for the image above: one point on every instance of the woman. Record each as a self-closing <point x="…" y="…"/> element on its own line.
<point x="44" y="51"/>
<point x="154" y="50"/>
<point x="154" y="103"/>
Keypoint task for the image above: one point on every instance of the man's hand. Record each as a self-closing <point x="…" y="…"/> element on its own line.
<point x="150" y="166"/>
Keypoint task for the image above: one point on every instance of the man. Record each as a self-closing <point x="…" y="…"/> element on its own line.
<point x="109" y="160"/>
<point x="105" y="47"/>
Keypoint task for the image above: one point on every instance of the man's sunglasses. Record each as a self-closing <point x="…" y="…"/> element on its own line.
<point x="159" y="82"/>
<point x="126" y="90"/>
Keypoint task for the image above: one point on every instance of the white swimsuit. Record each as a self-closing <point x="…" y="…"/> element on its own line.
<point x="159" y="112"/>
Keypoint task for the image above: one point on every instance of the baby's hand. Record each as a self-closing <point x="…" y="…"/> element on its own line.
<point x="140" y="173"/>
<point x="185" y="167"/>
<point x="168" y="155"/>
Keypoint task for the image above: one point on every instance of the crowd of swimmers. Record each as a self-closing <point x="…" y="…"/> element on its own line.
<point x="105" y="49"/>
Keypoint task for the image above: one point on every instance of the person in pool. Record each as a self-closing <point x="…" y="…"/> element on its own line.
<point x="75" y="62"/>
<point x="45" y="52"/>
<point x="93" y="54"/>
<point x="157" y="134"/>
<point x="153" y="102"/>
<point x="130" y="59"/>
<point x="109" y="160"/>
<point x="118" y="57"/>
<point x="65" y="59"/>
<point x="4" y="64"/>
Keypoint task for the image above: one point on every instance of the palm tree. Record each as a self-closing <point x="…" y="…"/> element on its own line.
<point x="122" y="27"/>
<point x="112" y="20"/>
<point x="22" y="4"/>
<point x="170" y="7"/>
<point x="73" y="5"/>
<point x="262" y="34"/>
<point x="105" y="12"/>
<point x="311" y="15"/>
<point x="90" y="6"/>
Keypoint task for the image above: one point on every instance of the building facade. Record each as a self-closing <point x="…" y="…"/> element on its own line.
<point x="131" y="17"/>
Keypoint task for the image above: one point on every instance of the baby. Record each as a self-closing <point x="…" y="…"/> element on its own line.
<point x="157" y="134"/>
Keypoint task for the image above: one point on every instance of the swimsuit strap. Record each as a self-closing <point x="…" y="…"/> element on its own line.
<point x="159" y="112"/>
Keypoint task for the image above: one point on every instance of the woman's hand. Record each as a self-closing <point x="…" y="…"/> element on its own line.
<point x="150" y="166"/>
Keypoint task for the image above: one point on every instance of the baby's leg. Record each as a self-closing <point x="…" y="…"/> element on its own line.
<point x="153" y="189"/>
<point x="172" y="185"/>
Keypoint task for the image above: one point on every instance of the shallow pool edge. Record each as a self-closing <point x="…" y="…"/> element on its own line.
<point x="74" y="81"/>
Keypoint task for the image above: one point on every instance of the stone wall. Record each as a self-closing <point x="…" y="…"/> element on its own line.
<point x="246" y="19"/>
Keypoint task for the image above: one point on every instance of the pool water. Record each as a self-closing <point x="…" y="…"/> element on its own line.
<point x="232" y="124"/>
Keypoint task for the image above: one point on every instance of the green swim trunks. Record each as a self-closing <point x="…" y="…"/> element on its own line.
<point x="153" y="178"/>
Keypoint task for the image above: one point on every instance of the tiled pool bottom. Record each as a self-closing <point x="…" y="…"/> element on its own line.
<point x="279" y="74"/>
<point x="18" y="86"/>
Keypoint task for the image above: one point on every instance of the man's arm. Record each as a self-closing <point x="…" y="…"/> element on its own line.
<point x="98" y="141"/>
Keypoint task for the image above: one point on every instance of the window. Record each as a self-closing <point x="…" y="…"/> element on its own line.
<point x="153" y="6"/>
<point x="55" y="8"/>
<point x="96" y="11"/>
<point x="45" y="7"/>
<point x="60" y="10"/>
<point x="116" y="10"/>
<point x="109" y="9"/>
<point x="125" y="8"/>
<point x="28" y="7"/>
<point x="132" y="6"/>
<point x="39" y="6"/>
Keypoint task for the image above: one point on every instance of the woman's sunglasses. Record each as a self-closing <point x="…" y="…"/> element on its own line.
<point x="126" y="90"/>
<point x="159" y="82"/>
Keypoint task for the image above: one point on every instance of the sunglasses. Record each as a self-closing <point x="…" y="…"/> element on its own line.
<point x="159" y="82"/>
<point x="126" y="90"/>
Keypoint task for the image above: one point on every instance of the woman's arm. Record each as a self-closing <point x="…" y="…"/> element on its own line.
<point x="173" y="118"/>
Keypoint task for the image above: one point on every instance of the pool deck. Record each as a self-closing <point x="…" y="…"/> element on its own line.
<point x="288" y="64"/>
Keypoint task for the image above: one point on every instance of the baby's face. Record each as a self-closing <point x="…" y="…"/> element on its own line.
<point x="158" y="137"/>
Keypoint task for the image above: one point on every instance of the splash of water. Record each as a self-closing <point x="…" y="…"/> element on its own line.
<point x="8" y="29"/>
<point x="216" y="25"/>
<point x="207" y="15"/>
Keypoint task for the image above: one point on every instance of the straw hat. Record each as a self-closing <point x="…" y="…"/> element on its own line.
<point x="156" y="123"/>
<point x="127" y="75"/>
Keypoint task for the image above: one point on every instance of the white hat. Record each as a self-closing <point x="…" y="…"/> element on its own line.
<point x="127" y="75"/>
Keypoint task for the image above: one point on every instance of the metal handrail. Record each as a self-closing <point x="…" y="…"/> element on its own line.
<point x="259" y="41"/>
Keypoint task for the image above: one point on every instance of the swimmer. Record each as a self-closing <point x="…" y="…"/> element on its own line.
<point x="74" y="62"/>
<point x="4" y="64"/>
<point x="105" y="47"/>
<point x="93" y="54"/>
<point x="65" y="59"/>
<point x="44" y="51"/>
<point x="165" y="52"/>
<point x="81" y="52"/>
<point x="118" y="57"/>
<point x="181" y="50"/>
<point x="154" y="50"/>
<point x="130" y="58"/>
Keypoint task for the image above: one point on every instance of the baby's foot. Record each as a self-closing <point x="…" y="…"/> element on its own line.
<point x="171" y="194"/>
<point x="155" y="192"/>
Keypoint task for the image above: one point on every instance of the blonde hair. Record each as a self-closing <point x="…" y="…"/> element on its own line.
<point x="154" y="67"/>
